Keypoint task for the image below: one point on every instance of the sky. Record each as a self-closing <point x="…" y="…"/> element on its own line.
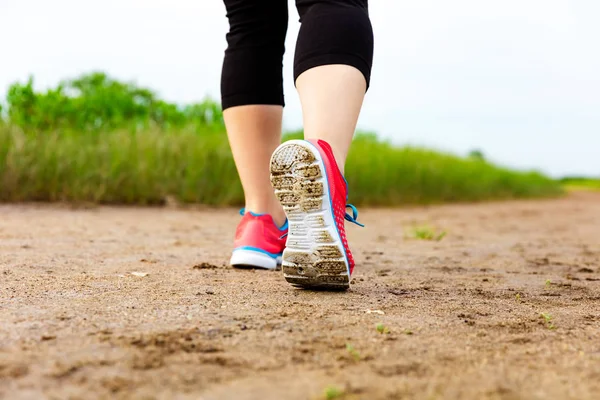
<point x="517" y="79"/>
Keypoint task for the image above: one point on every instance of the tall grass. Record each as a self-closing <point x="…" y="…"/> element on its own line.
<point x="575" y="183"/>
<point x="382" y="174"/>
<point x="196" y="166"/>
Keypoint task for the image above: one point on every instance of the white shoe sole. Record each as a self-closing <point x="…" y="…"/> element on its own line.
<point x="253" y="259"/>
<point x="314" y="256"/>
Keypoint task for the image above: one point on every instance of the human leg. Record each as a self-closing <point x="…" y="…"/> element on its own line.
<point x="252" y="100"/>
<point x="332" y="72"/>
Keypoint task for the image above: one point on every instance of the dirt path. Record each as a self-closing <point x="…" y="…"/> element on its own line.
<point x="464" y="314"/>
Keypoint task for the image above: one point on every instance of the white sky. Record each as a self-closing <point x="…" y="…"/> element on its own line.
<point x="518" y="79"/>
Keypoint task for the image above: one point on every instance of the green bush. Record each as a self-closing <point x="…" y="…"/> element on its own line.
<point x="96" y="102"/>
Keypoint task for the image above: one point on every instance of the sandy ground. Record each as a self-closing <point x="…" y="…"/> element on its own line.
<point x="462" y="317"/>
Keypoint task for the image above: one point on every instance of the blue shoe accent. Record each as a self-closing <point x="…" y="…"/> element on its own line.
<point x="272" y="255"/>
<point x="243" y="212"/>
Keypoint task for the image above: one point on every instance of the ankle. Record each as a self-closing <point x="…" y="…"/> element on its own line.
<point x="339" y="150"/>
<point x="279" y="217"/>
<point x="340" y="160"/>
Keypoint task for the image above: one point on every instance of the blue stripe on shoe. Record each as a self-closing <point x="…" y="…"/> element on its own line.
<point x="243" y="211"/>
<point x="284" y="226"/>
<point x="272" y="255"/>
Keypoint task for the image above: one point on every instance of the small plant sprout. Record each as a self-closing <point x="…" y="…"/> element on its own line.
<point x="381" y="328"/>
<point x="440" y="236"/>
<point x="352" y="351"/>
<point x="548" y="283"/>
<point x="407" y="332"/>
<point x="332" y="393"/>
<point x="427" y="233"/>
<point x="548" y="320"/>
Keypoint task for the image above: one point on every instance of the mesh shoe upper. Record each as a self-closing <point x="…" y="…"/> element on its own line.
<point x="259" y="232"/>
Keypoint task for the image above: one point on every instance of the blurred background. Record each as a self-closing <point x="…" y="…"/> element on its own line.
<point x="470" y="100"/>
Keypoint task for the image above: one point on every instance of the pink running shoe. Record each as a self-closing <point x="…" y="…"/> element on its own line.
<point x="259" y="243"/>
<point x="313" y="193"/>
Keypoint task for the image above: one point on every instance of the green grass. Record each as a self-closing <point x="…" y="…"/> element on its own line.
<point x="353" y="352"/>
<point x="192" y="166"/>
<point x="118" y="167"/>
<point x="333" y="393"/>
<point x="382" y="329"/>
<point x="581" y="183"/>
<point x="548" y="320"/>
<point x="381" y="174"/>
<point x="426" y="233"/>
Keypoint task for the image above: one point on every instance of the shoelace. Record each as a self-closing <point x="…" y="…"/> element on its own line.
<point x="352" y="218"/>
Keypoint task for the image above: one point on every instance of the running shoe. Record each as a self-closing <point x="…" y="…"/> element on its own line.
<point x="259" y="242"/>
<point x="313" y="193"/>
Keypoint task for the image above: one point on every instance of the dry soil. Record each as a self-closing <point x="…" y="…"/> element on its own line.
<point x="140" y="303"/>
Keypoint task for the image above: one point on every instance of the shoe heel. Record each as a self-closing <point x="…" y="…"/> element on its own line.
<point x="314" y="256"/>
<point x="252" y="259"/>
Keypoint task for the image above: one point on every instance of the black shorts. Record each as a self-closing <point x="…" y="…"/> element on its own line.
<point x="331" y="32"/>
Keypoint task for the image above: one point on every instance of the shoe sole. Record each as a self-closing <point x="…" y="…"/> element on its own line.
<point x="314" y="256"/>
<point x="253" y="259"/>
